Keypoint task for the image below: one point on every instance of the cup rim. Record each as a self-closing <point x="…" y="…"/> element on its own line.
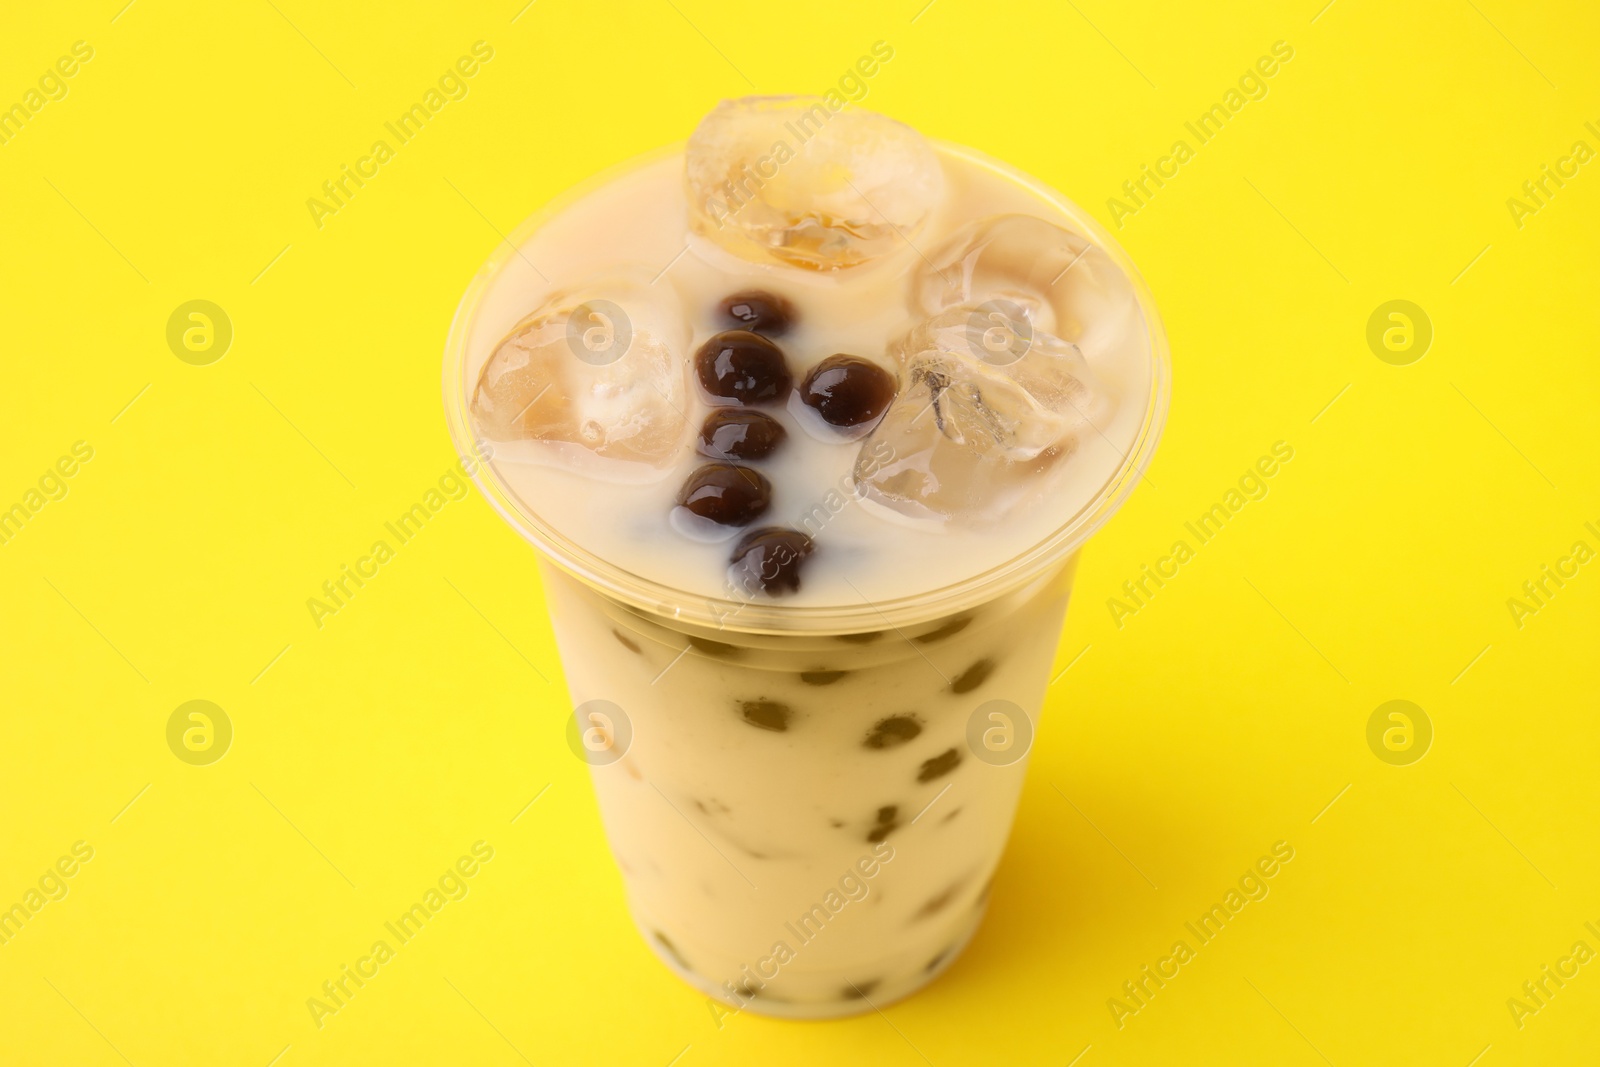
<point x="759" y="616"/>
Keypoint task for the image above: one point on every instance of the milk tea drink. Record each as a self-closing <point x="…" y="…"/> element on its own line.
<point x="807" y="420"/>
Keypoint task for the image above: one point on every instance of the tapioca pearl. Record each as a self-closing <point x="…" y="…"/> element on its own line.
<point x="739" y="433"/>
<point x="939" y="766"/>
<point x="933" y="964"/>
<point x="712" y="648"/>
<point x="821" y="677"/>
<point x="744" y="367"/>
<point x="766" y="714"/>
<point x="671" y="949"/>
<point x="860" y="639"/>
<point x="726" y="494"/>
<point x="938" y="903"/>
<point x="627" y="642"/>
<point x="769" y="559"/>
<point x="847" y="391"/>
<point x="951" y="817"/>
<point x="759" y="311"/>
<point x="949" y="629"/>
<point x="888" y="812"/>
<point x="973" y="676"/>
<point x="861" y="990"/>
<point x="891" y="732"/>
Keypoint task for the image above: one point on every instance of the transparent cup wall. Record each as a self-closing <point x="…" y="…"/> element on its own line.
<point x="807" y="823"/>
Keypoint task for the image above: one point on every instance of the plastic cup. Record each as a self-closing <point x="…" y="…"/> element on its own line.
<point x="807" y="804"/>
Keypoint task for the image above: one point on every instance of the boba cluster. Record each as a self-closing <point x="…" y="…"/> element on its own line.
<point x="740" y="370"/>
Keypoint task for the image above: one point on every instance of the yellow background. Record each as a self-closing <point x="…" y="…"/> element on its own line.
<point x="1224" y="716"/>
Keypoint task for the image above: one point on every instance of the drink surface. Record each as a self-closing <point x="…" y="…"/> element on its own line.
<point x="639" y="227"/>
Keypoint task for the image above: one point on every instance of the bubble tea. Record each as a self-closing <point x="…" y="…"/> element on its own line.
<point x="808" y="419"/>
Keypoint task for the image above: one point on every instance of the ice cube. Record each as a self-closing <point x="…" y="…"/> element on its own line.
<point x="600" y="370"/>
<point x="789" y="179"/>
<point x="1064" y="283"/>
<point x="989" y="405"/>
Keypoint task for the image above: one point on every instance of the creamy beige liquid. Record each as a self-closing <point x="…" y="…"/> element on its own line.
<point x="807" y="825"/>
<point x="827" y="866"/>
<point x="863" y="554"/>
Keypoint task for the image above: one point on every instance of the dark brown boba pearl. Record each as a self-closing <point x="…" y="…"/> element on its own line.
<point x="861" y="990"/>
<point x="726" y="494"/>
<point x="951" y="817"/>
<point x="893" y="731"/>
<point x="939" y="766"/>
<point x="739" y="433"/>
<point x="742" y="366"/>
<point x="938" y="903"/>
<point x="973" y="676"/>
<point x="847" y="390"/>
<point x="821" y="677"/>
<point x="933" y="964"/>
<point x="759" y="311"/>
<point x="888" y="823"/>
<point x="860" y="639"/>
<point x="712" y="648"/>
<point x="949" y="629"/>
<point x="627" y="643"/>
<point x="769" y="559"/>
<point x="671" y="950"/>
<point x="767" y="714"/>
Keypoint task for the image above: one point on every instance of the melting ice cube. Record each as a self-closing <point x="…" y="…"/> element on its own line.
<point x="990" y="404"/>
<point x="788" y="179"/>
<point x="1063" y="283"/>
<point x="598" y="370"/>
